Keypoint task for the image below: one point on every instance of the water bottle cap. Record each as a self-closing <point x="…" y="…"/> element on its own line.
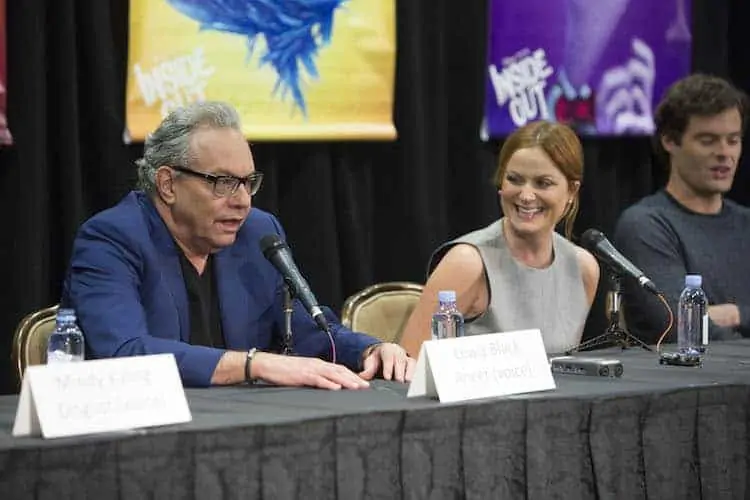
<point x="694" y="280"/>
<point x="66" y="313"/>
<point x="446" y="296"/>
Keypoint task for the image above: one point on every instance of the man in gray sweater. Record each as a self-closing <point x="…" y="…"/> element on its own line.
<point x="689" y="227"/>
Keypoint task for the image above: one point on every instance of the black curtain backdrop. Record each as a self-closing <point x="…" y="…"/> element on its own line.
<point x="355" y="213"/>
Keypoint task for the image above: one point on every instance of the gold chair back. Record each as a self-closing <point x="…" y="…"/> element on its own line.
<point x="30" y="339"/>
<point x="381" y="310"/>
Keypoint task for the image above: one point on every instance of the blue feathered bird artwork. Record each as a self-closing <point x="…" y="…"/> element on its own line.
<point x="294" y="32"/>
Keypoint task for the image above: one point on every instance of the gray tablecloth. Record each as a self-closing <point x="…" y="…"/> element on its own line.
<point x="658" y="432"/>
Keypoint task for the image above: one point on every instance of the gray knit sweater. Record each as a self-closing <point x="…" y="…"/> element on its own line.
<point x="666" y="241"/>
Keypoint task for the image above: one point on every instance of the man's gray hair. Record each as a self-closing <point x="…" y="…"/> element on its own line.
<point x="169" y="144"/>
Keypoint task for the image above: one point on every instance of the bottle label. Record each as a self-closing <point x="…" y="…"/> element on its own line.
<point x="704" y="330"/>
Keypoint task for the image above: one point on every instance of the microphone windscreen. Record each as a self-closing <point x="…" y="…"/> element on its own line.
<point x="270" y="243"/>
<point x="591" y="237"/>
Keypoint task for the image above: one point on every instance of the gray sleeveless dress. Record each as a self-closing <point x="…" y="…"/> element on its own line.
<point x="521" y="297"/>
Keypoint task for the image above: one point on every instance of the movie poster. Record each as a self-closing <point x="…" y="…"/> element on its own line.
<point x="294" y="69"/>
<point x="600" y="66"/>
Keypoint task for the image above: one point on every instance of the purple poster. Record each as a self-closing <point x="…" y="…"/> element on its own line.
<point x="599" y="66"/>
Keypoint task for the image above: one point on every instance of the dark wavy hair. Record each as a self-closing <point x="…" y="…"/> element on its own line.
<point x="695" y="95"/>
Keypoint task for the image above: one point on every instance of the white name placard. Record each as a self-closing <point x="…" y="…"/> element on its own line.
<point x="482" y="366"/>
<point x="104" y="395"/>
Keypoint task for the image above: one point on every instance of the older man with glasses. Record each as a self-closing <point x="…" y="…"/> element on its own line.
<point x="176" y="267"/>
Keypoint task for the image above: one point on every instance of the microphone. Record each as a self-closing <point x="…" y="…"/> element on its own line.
<point x="278" y="253"/>
<point x="596" y="242"/>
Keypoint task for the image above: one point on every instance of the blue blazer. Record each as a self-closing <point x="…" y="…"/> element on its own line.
<point x="126" y="285"/>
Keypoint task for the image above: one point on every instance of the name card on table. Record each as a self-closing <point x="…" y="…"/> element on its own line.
<point x="482" y="366"/>
<point x="103" y="395"/>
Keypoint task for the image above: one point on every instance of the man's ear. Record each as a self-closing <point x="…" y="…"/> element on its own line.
<point x="165" y="185"/>
<point x="668" y="143"/>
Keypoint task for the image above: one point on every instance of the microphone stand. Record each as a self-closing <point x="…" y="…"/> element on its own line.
<point x="288" y="309"/>
<point x="614" y="334"/>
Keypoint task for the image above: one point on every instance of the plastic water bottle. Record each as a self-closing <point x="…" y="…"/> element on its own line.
<point x="447" y="322"/>
<point x="66" y="342"/>
<point x="692" y="316"/>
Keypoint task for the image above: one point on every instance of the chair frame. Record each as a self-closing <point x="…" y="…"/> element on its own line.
<point x="347" y="311"/>
<point x="21" y="337"/>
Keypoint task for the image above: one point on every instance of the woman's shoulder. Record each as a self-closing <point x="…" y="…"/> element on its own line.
<point x="465" y="248"/>
<point x="585" y="258"/>
<point x="463" y="255"/>
<point x="488" y="234"/>
<point x="589" y="269"/>
<point x="566" y="246"/>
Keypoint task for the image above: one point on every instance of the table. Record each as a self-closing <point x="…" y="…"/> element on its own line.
<point x="658" y="432"/>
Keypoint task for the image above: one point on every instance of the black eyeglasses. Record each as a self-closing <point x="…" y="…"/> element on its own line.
<point x="227" y="185"/>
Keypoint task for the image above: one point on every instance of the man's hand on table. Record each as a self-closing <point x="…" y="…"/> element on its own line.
<point x="297" y="371"/>
<point x="727" y="315"/>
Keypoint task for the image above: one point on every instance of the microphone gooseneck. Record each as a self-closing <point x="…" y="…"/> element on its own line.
<point x="278" y="253"/>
